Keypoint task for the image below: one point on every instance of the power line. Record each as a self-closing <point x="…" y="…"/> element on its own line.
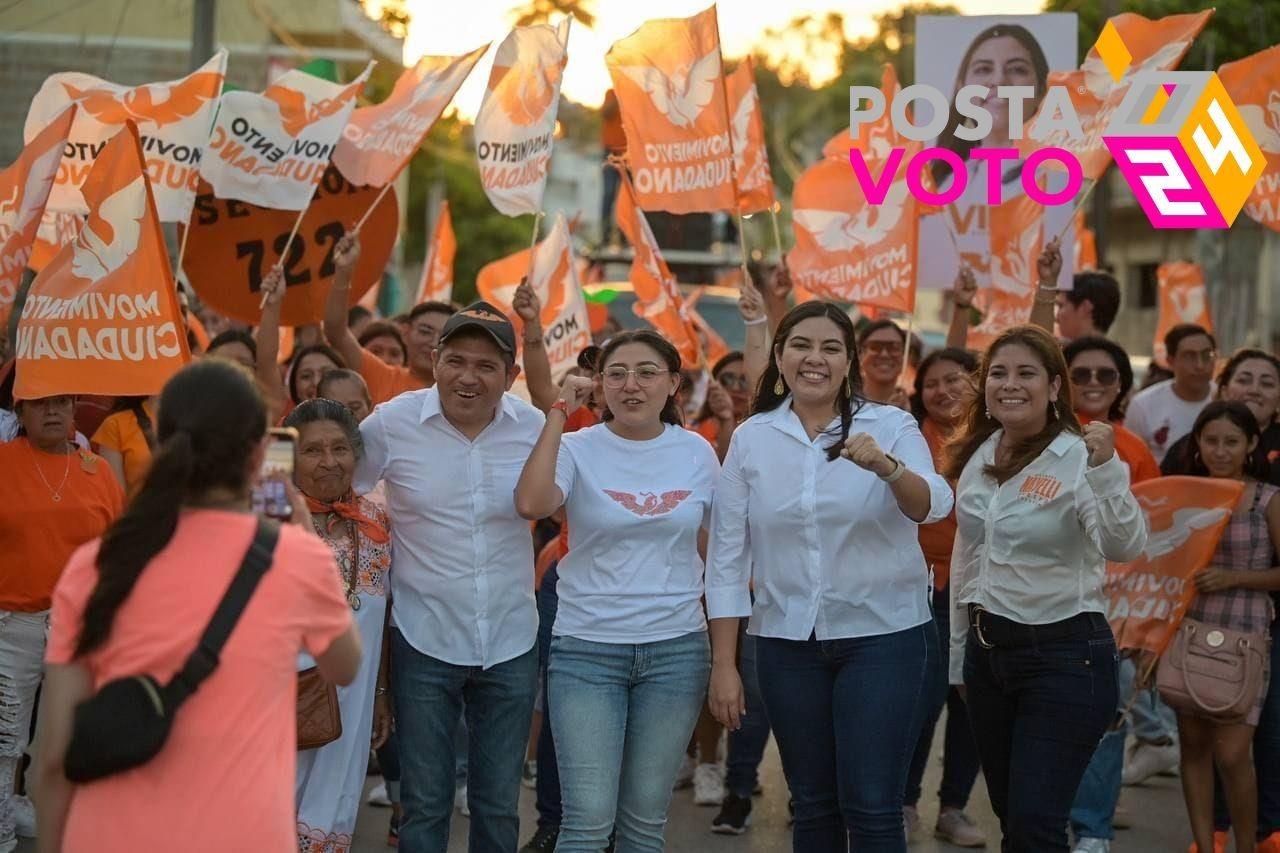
<point x="7" y="36"/>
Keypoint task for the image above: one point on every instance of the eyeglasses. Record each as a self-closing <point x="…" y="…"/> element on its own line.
<point x="883" y="348"/>
<point x="616" y="377"/>
<point x="731" y="380"/>
<point x="1101" y="375"/>
<point x="1205" y="357"/>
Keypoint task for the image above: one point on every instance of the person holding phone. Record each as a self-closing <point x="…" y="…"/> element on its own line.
<point x="137" y="601"/>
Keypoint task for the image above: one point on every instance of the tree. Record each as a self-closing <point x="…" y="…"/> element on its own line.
<point x="542" y="11"/>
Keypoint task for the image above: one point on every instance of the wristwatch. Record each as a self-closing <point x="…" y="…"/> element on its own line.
<point x="898" y="469"/>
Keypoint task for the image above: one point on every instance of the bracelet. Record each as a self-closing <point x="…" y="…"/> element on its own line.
<point x="560" y="406"/>
<point x="896" y="474"/>
<point x="536" y="342"/>
<point x="755" y="322"/>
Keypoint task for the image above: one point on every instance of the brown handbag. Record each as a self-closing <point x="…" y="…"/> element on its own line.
<point x="319" y="716"/>
<point x="1213" y="672"/>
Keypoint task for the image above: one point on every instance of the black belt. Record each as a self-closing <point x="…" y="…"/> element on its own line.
<point x="991" y="630"/>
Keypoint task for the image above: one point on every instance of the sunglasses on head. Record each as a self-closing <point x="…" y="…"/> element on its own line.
<point x="1101" y="375"/>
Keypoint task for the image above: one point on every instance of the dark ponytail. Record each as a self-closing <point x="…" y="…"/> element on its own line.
<point x="849" y="397"/>
<point x="211" y="418"/>
<point x="671" y="411"/>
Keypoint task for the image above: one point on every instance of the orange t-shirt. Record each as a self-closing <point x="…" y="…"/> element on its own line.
<point x="120" y="432"/>
<point x="386" y="381"/>
<point x="37" y="533"/>
<point x="1133" y="451"/>
<point x="225" y="778"/>
<point x="937" y="539"/>
<point x="708" y="428"/>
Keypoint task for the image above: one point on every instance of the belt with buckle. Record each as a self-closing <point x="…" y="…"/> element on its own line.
<point x="975" y="623"/>
<point x="992" y="630"/>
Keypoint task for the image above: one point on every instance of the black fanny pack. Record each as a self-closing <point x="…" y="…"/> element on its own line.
<point x="126" y="723"/>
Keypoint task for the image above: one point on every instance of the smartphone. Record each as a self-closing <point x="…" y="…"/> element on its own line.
<point x="271" y="495"/>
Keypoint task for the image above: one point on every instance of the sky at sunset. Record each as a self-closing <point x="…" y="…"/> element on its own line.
<point x="742" y="24"/>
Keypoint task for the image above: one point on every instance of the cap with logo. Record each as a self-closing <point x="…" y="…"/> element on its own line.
<point x="482" y="315"/>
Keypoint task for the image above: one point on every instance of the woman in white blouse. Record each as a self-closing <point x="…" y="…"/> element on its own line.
<point x="1041" y="506"/>
<point x="629" y="661"/>
<point x="817" y="507"/>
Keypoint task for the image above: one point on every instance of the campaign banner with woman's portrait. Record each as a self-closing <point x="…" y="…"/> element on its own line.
<point x="954" y="51"/>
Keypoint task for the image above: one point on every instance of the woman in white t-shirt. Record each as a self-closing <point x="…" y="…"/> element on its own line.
<point x="629" y="657"/>
<point x="818" y="507"/>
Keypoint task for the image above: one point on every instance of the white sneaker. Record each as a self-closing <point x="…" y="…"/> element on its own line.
<point x="378" y="796"/>
<point x="685" y="777"/>
<point x="1149" y="759"/>
<point x="911" y="822"/>
<point x="708" y="785"/>
<point x="1091" y="845"/>
<point x="460" y="801"/>
<point x="24" y="816"/>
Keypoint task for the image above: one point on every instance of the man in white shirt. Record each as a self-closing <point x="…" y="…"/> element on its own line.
<point x="1166" y="411"/>
<point x="463" y="609"/>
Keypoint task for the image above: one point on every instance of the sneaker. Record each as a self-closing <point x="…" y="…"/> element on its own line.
<point x="955" y="827"/>
<point x="708" y="785"/>
<point x="393" y="831"/>
<point x="460" y="801"/>
<point x="685" y="777"/>
<point x="734" y="817"/>
<point x="529" y="778"/>
<point x="911" y="822"/>
<point x="543" y="841"/>
<point x="1147" y="760"/>
<point x="1092" y="845"/>
<point x="24" y="816"/>
<point x="378" y="796"/>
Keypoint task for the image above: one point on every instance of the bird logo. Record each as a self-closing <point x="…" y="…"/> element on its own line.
<point x="647" y="504"/>
<point x="296" y="112"/>
<point x="111" y="235"/>
<point x="1188" y="302"/>
<point x="156" y="103"/>
<point x="1264" y="122"/>
<point x="17" y="211"/>
<point x="683" y="94"/>
<point x="841" y="231"/>
<point x="525" y="90"/>
<point x="1185" y="522"/>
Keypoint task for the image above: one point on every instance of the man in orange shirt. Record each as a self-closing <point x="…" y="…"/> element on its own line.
<point x="425" y="322"/>
<point x="54" y="497"/>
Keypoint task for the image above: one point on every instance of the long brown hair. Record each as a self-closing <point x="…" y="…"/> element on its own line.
<point x="979" y="425"/>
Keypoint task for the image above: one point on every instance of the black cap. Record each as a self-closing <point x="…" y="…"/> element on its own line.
<point x="482" y="315"/>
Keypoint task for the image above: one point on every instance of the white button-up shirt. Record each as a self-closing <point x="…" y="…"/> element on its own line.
<point x="462" y="559"/>
<point x="1034" y="549"/>
<point x="828" y="550"/>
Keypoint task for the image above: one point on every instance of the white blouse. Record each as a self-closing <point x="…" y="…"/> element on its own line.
<point x="823" y="542"/>
<point x="1034" y="549"/>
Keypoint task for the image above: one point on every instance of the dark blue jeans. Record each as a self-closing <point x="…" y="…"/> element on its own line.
<point x="959" y="753"/>
<point x="429" y="696"/>
<point x="845" y="715"/>
<point x="550" y="809"/>
<point x="747" y="744"/>
<point x="1038" y="712"/>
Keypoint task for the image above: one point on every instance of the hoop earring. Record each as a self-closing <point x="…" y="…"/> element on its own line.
<point x="778" y="387"/>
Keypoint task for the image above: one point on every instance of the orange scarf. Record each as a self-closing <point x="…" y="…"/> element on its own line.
<point x="346" y="507"/>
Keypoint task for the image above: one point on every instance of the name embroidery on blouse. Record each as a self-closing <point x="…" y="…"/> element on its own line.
<point x="1039" y="488"/>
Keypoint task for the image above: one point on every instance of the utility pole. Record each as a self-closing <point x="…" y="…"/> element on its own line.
<point x="204" y="24"/>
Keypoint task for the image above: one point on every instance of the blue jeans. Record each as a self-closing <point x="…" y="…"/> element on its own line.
<point x="845" y="715"/>
<point x="623" y="717"/>
<point x="959" y="753"/>
<point x="1153" y="721"/>
<point x="429" y="696"/>
<point x="1038" y="712"/>
<point x="747" y="744"/>
<point x="550" y="809"/>
<point x="1099" y="792"/>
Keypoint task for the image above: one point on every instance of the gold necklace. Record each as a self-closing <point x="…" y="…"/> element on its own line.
<point x="57" y="493"/>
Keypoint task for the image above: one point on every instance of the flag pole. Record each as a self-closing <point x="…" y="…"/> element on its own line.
<point x="777" y="233"/>
<point x="533" y="239"/>
<point x="297" y="223"/>
<point x="1093" y="182"/>
<point x="356" y="228"/>
<point x="906" y="350"/>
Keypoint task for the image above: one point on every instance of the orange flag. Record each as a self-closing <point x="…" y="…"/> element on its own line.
<point x="658" y="298"/>
<point x="713" y="345"/>
<point x="1254" y="85"/>
<point x="378" y="141"/>
<point x="56" y="230"/>
<point x="437" y="272"/>
<point x="566" y="327"/>
<point x="847" y="248"/>
<point x="103" y="316"/>
<point x="1157" y="45"/>
<point x="1007" y="276"/>
<point x="750" y="155"/>
<point x="517" y="120"/>
<point x="24" y="189"/>
<point x="1086" y="245"/>
<point x="1185" y="520"/>
<point x="670" y="87"/>
<point x="1183" y="299"/>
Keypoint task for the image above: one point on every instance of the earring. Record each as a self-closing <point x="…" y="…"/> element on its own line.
<point x="778" y="387"/>
<point x="988" y="413"/>
<point x="848" y="388"/>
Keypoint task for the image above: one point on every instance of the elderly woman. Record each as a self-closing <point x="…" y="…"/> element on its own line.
<point x="54" y="497"/>
<point x="330" y="778"/>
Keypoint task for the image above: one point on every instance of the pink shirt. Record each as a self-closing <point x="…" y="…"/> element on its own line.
<point x="225" y="778"/>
